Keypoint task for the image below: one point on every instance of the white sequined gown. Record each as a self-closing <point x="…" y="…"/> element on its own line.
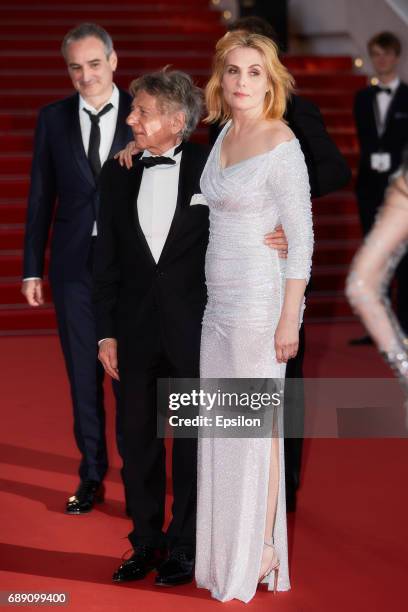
<point x="245" y="281"/>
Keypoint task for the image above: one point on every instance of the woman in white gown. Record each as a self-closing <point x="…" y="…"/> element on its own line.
<point x="255" y="178"/>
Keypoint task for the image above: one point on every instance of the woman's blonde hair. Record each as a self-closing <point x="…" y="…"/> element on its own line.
<point x="281" y="82"/>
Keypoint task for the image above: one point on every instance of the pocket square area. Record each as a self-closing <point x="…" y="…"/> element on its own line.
<point x="198" y="198"/>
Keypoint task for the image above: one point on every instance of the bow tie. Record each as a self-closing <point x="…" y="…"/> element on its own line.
<point x="149" y="162"/>
<point x="377" y="89"/>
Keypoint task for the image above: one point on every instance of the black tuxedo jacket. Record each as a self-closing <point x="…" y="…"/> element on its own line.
<point x="327" y="168"/>
<point x="61" y="173"/>
<point x="393" y="140"/>
<point x="135" y="298"/>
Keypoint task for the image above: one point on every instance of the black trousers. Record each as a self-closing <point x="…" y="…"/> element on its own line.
<point x="144" y="453"/>
<point x="77" y="333"/>
<point x="293" y="417"/>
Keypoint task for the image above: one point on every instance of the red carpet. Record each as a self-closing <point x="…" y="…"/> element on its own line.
<point x="348" y="539"/>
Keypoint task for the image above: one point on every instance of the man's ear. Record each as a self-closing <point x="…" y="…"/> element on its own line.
<point x="178" y="122"/>
<point x="113" y="60"/>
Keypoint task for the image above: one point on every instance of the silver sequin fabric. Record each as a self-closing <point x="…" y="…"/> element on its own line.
<point x="246" y="284"/>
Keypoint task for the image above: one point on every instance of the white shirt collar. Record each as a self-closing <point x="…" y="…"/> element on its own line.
<point x="168" y="153"/>
<point x="393" y="85"/>
<point x="114" y="100"/>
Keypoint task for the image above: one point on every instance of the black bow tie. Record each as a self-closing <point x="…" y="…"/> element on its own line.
<point x="149" y="162"/>
<point x="377" y="89"/>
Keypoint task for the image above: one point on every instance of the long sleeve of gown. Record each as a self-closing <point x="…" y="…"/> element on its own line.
<point x="292" y="193"/>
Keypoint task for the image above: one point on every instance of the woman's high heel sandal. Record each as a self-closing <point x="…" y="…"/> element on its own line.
<point x="273" y="566"/>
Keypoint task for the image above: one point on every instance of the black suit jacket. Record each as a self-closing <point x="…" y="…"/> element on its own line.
<point x="370" y="183"/>
<point x="327" y="168"/>
<point x="135" y="298"/>
<point x="61" y="173"/>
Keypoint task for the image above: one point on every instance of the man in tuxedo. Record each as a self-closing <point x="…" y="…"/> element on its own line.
<point x="150" y="295"/>
<point x="381" y="117"/>
<point x="73" y="138"/>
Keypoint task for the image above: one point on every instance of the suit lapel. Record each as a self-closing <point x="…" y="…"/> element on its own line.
<point x="77" y="144"/>
<point x="123" y="133"/>
<point x="137" y="173"/>
<point x="185" y="184"/>
<point x="391" y="108"/>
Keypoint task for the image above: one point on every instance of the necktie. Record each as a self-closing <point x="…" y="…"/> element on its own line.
<point x="95" y="139"/>
<point x="379" y="89"/>
<point x="149" y="162"/>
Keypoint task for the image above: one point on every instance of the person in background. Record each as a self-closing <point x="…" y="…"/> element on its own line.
<point x="381" y="117"/>
<point x="373" y="267"/>
<point x="73" y="139"/>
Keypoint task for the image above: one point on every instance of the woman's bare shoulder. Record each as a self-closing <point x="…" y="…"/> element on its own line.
<point x="277" y="132"/>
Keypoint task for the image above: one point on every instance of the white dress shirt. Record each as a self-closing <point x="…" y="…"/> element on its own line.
<point x="384" y="100"/>
<point x="157" y="200"/>
<point x="107" y="125"/>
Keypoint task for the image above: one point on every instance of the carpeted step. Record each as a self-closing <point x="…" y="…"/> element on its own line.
<point x="339" y="203"/>
<point x="134" y="27"/>
<point x="13" y="210"/>
<point x="18" y="163"/>
<point x="338" y="118"/>
<point x="335" y="251"/>
<point x="330" y="227"/>
<point x="123" y="43"/>
<point x="22" y="317"/>
<point x="12" y="120"/>
<point x="16" y="141"/>
<point x="11" y="263"/>
<point x="329" y="278"/>
<point x="328" y="306"/>
<point x="15" y="186"/>
<point x="333" y="99"/>
<point x="66" y="13"/>
<point x="332" y="80"/>
<point x="11" y="237"/>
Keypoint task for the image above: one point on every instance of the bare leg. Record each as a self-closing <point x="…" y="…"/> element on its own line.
<point x="269" y="556"/>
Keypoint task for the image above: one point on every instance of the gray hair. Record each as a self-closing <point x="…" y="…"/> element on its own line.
<point x="174" y="91"/>
<point x="84" y="30"/>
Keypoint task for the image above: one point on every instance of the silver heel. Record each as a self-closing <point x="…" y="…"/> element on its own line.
<point x="274" y="568"/>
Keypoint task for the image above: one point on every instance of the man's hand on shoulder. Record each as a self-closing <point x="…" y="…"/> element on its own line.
<point x="125" y="155"/>
<point x="108" y="356"/>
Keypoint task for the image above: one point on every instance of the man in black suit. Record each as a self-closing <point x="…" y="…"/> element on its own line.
<point x="150" y="295"/>
<point x="73" y="138"/>
<point x="381" y="116"/>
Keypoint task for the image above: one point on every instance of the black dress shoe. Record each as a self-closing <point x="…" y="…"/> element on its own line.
<point x="144" y="560"/>
<point x="178" y="569"/>
<point x="363" y="341"/>
<point x="86" y="496"/>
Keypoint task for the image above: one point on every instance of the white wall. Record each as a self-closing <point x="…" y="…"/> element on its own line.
<point x="344" y="26"/>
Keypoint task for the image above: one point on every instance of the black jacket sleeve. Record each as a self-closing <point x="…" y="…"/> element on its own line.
<point x="41" y="201"/>
<point x="106" y="272"/>
<point x="328" y="170"/>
